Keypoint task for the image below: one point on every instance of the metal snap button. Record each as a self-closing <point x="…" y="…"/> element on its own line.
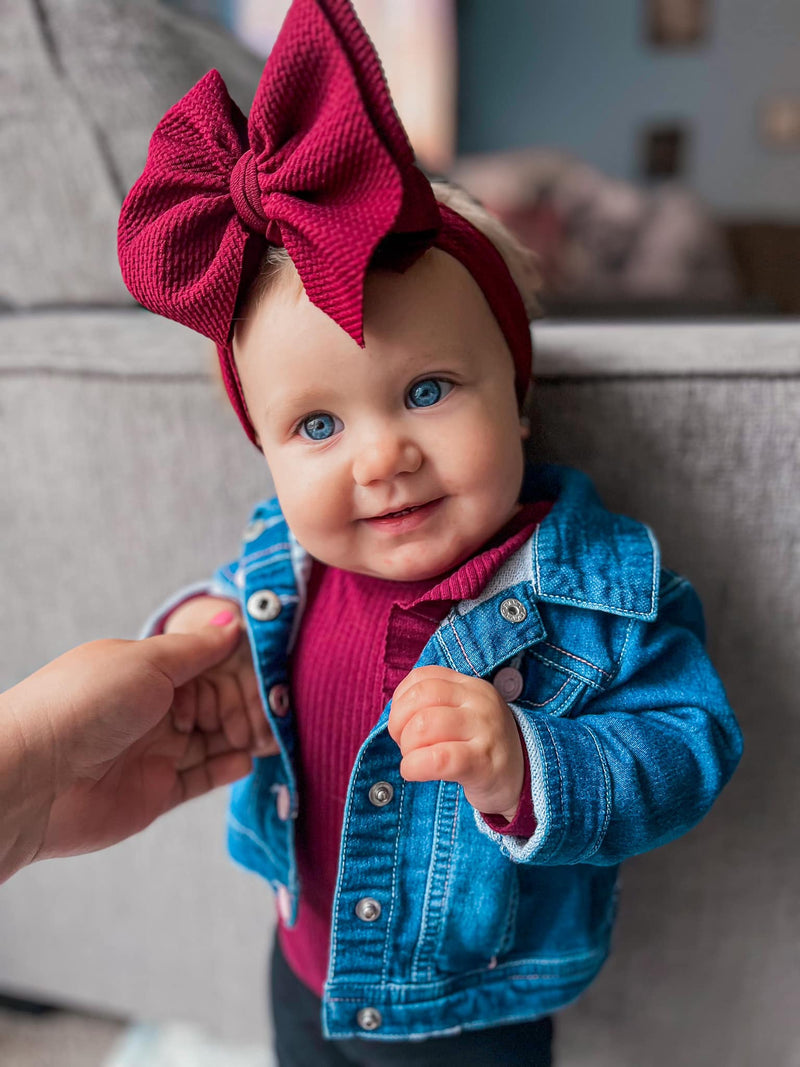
<point x="513" y="610"/>
<point x="368" y="909"/>
<point x="263" y="605"/>
<point x="254" y="530"/>
<point x="284" y="901"/>
<point x="283" y="802"/>
<point x="278" y="699"/>
<point x="381" y="794"/>
<point x="508" y="683"/>
<point x="369" y="1018"/>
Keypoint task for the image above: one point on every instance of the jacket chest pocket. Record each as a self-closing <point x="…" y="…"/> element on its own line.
<point x="470" y="908"/>
<point x="534" y="683"/>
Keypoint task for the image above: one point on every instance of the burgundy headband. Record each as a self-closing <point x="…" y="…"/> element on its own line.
<point x="322" y="167"/>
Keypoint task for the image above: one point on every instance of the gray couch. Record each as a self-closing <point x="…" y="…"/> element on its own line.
<point x="126" y="475"/>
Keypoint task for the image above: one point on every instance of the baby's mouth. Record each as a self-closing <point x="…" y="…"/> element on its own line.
<point x="400" y="519"/>
<point x="404" y="511"/>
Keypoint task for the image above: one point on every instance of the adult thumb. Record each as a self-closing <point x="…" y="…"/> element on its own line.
<point x="183" y="656"/>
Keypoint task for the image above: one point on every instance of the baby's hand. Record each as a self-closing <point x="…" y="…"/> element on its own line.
<point x="457" y="728"/>
<point x="226" y="697"/>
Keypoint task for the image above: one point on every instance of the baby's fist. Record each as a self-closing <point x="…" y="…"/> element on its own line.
<point x="458" y="728"/>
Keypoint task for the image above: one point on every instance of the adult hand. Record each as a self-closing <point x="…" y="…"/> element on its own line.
<point x="89" y="747"/>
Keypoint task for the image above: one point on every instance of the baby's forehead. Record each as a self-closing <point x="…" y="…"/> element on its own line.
<point x="432" y="313"/>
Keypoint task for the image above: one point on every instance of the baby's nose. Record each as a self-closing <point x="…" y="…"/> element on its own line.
<point x="385" y="455"/>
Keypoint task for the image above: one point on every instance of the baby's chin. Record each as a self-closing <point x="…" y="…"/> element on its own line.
<point x="409" y="567"/>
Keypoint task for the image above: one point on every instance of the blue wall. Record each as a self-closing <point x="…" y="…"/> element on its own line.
<point x="578" y="74"/>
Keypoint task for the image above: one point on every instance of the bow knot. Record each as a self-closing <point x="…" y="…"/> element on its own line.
<point x="322" y="167"/>
<point x="246" y="193"/>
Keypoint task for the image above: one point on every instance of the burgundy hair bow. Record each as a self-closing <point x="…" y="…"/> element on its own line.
<point x="322" y="167"/>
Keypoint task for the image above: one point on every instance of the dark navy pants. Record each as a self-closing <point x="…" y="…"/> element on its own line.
<point x="299" y="1041"/>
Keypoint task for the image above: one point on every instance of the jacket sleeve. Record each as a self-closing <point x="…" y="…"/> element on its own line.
<point x="641" y="761"/>
<point x="221" y="584"/>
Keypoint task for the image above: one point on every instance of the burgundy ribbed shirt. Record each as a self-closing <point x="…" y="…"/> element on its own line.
<point x="360" y="637"/>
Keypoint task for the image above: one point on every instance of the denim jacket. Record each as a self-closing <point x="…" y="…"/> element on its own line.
<point x="630" y="739"/>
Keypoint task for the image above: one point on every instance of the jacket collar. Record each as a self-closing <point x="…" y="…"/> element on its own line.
<point x="581" y="555"/>
<point x="584" y="555"/>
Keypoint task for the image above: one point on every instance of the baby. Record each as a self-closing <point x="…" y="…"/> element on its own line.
<point x="473" y="691"/>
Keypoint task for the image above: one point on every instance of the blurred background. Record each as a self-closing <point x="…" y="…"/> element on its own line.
<point x="648" y="149"/>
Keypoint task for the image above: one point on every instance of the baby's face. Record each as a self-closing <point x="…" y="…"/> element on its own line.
<point x="398" y="460"/>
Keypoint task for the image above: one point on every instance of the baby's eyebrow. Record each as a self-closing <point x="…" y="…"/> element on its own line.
<point x="302" y="400"/>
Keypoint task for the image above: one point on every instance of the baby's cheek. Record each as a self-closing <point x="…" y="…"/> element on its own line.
<point x="318" y="513"/>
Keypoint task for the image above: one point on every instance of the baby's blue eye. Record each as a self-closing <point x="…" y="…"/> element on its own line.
<point x="428" y="392"/>
<point x="319" y="427"/>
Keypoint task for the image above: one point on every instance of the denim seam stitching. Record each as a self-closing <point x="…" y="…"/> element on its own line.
<point x="511" y="916"/>
<point x="445" y="649"/>
<point x="280" y="546"/>
<point x="538" y="585"/>
<point x="345" y="831"/>
<point x="550" y="700"/>
<point x="566" y="670"/>
<point x="475" y="671"/>
<point x="415" y="959"/>
<point x="446" y="876"/>
<point x="622" y="651"/>
<point x="598" y="606"/>
<point x="578" y="658"/>
<point x="266" y="564"/>
<point x="387" y="939"/>
<point x="573" y="964"/>
<point x="555" y="847"/>
<point x="601" y="832"/>
<point x="654" y="580"/>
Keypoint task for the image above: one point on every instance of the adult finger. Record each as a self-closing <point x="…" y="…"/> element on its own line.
<point x="184" y="707"/>
<point x="233" y="715"/>
<point x="210" y="774"/>
<point x="207" y="703"/>
<point x="199" y="748"/>
<point x="183" y="656"/>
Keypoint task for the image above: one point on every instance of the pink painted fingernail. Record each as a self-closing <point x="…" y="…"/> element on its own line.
<point x="222" y="618"/>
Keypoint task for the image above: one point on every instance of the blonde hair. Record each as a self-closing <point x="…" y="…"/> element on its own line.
<point x="521" y="261"/>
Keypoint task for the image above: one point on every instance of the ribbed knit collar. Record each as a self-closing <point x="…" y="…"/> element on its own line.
<point x="465" y="581"/>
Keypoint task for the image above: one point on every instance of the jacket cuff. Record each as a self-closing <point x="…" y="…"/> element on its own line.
<point x="524" y="822"/>
<point x="569" y="791"/>
<point x="157" y="621"/>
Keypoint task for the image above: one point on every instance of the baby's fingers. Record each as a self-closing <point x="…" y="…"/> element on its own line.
<point x="448" y="761"/>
